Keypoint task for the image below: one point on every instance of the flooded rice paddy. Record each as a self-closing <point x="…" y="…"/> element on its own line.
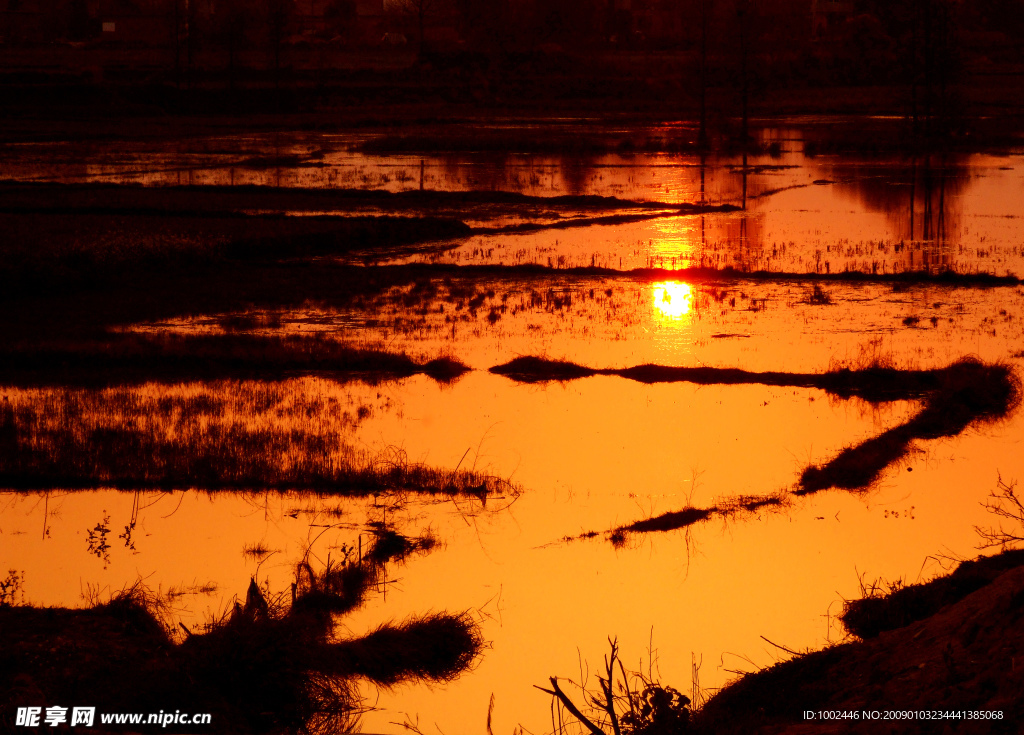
<point x="556" y="460"/>
<point x="799" y="210"/>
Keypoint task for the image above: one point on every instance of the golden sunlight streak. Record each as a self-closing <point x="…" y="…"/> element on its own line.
<point x="672" y="300"/>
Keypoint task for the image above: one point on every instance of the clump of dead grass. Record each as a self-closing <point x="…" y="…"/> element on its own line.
<point x="224" y="436"/>
<point x="272" y="664"/>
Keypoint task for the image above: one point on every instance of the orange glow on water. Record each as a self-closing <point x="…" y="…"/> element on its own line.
<point x="591" y="454"/>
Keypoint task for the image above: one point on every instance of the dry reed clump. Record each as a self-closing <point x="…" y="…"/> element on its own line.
<point x="623" y="702"/>
<point x="239" y="436"/>
<point x="341" y="587"/>
<point x="1007" y="506"/>
<point x="436" y="647"/>
<point x="269" y="666"/>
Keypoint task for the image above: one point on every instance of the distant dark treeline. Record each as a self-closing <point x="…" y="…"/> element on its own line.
<point x="755" y="44"/>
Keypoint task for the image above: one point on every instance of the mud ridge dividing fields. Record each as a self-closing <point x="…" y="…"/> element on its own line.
<point x="965" y="393"/>
<point x="958" y="655"/>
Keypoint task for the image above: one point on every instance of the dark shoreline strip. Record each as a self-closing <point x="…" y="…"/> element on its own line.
<point x="131" y="358"/>
<point x="874" y="384"/>
<point x="611" y="219"/>
<point x="700" y="274"/>
<point x="80" y="197"/>
<point x="677" y="519"/>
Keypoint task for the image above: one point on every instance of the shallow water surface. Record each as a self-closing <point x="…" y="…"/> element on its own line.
<point x="568" y="462"/>
<point x="797" y="212"/>
<point x="591" y="454"/>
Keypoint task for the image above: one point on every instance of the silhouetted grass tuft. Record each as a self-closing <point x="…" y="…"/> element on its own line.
<point x="436" y="647"/>
<point x="389" y="545"/>
<point x="267" y="667"/>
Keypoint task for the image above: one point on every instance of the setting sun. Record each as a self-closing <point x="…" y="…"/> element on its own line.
<point x="672" y="299"/>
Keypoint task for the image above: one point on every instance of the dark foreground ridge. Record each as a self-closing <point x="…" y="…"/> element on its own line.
<point x="961" y="653"/>
<point x="274" y="664"/>
<point x="875" y="614"/>
<point x="952" y="667"/>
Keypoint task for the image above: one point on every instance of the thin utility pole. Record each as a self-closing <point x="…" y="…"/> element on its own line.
<point x="928" y="54"/>
<point x="914" y="21"/>
<point x="702" y="137"/>
<point x="742" y="11"/>
<point x="177" y="45"/>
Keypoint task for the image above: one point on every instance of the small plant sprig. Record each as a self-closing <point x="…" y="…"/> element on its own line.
<point x="11" y="588"/>
<point x="626" y="703"/>
<point x="1006" y="505"/>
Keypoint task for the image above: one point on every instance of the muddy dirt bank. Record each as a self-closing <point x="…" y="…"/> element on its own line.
<point x="968" y="657"/>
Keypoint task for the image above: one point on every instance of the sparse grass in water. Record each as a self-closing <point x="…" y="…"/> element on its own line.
<point x="237" y="436"/>
<point x="256" y="551"/>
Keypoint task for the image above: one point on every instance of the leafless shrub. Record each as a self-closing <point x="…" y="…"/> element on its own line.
<point x="1006" y="505"/>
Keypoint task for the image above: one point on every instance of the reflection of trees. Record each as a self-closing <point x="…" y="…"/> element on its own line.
<point x="576" y="172"/>
<point x="498" y="171"/>
<point x="482" y="171"/>
<point x="920" y="198"/>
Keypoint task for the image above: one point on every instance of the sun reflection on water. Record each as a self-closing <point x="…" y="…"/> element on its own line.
<point x="672" y="300"/>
